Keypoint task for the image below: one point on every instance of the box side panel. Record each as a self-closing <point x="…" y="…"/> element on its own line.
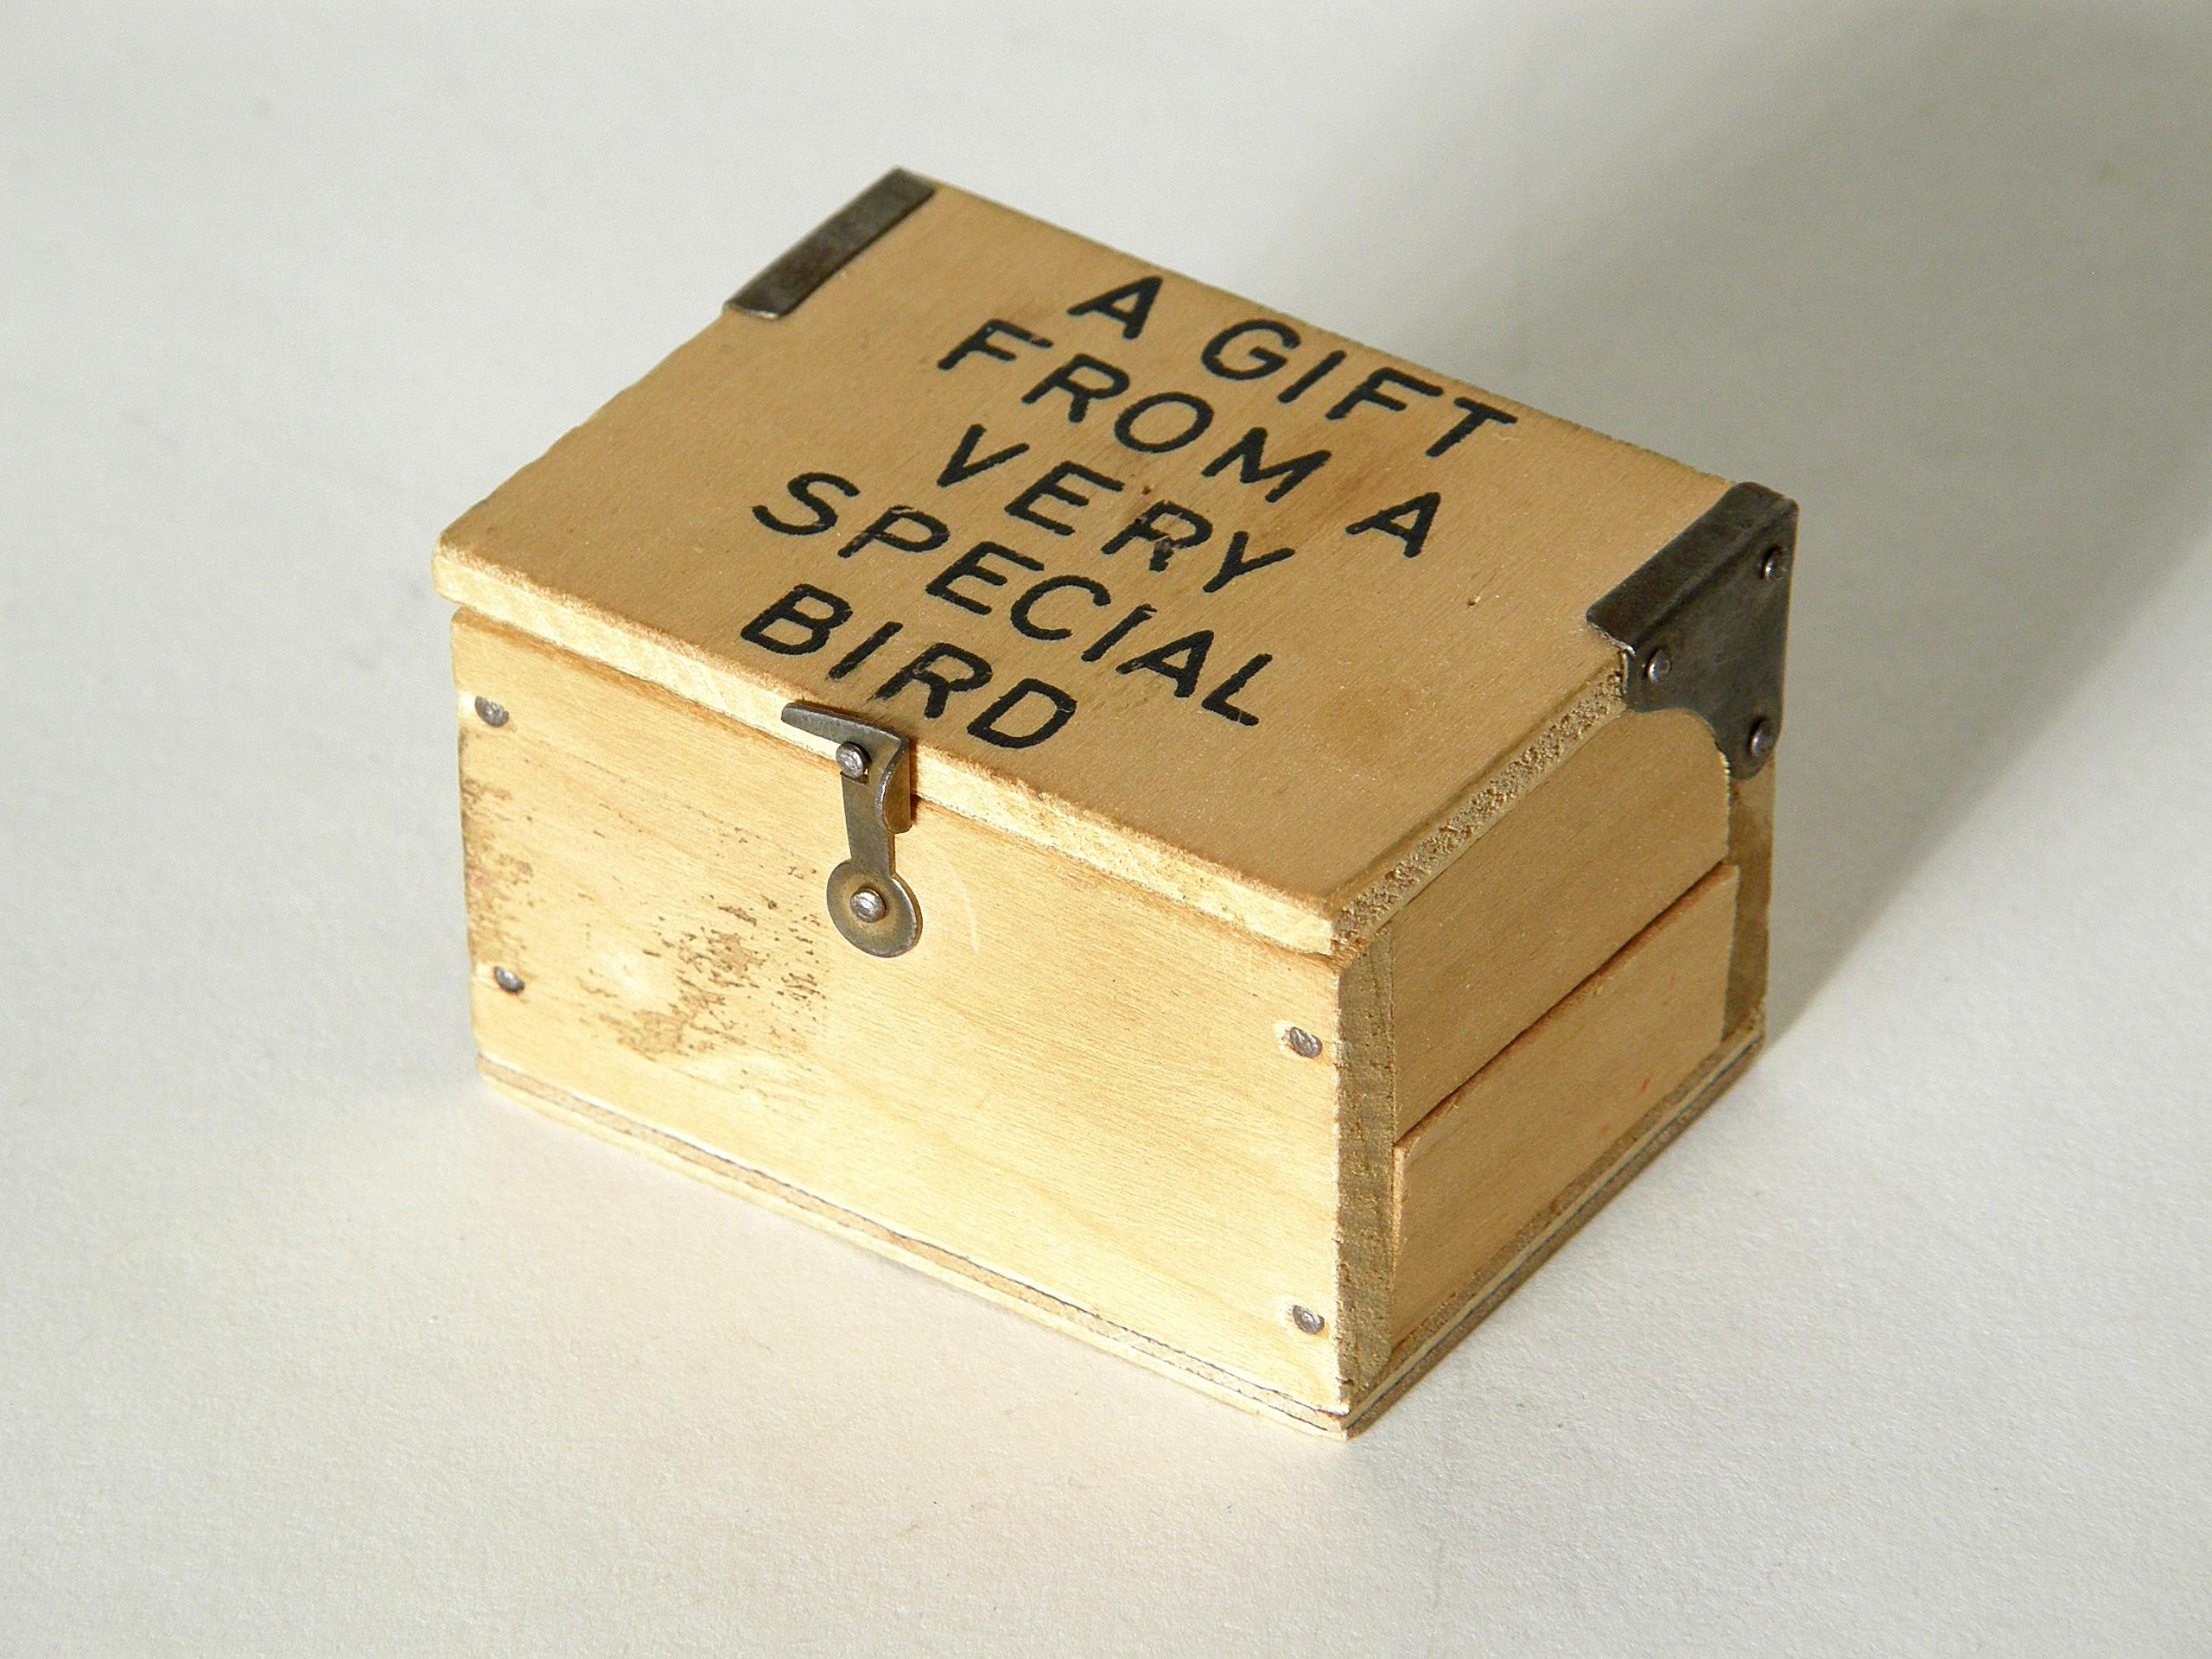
<point x="1528" y="1132"/>
<point x="1613" y="835"/>
<point x="1070" y="1082"/>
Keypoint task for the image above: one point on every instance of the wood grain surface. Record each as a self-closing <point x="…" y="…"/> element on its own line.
<point x="1393" y="685"/>
<point x="1531" y="1130"/>
<point x="1072" y="1084"/>
<point x="1613" y="835"/>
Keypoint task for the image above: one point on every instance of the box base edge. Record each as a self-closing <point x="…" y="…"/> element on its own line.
<point x="1441" y="1331"/>
<point x="704" y="1163"/>
<point x="1412" y="1359"/>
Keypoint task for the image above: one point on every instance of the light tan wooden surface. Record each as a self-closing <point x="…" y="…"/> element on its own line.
<point x="1071" y="1084"/>
<point x="1395" y="686"/>
<point x="1527" y="1133"/>
<point x="1610" y="837"/>
<point x="1751" y="850"/>
<point x="640" y="1135"/>
<point x="1457" y="1316"/>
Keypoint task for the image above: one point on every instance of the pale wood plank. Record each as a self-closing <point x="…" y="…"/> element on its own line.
<point x="1456" y="1315"/>
<point x="636" y="1135"/>
<point x="1543" y="1119"/>
<point x="1072" y="1084"/>
<point x="1609" y="838"/>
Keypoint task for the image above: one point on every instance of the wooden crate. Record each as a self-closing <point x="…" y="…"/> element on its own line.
<point x="1216" y="837"/>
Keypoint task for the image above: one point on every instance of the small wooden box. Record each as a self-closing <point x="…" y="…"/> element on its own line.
<point x="1216" y="837"/>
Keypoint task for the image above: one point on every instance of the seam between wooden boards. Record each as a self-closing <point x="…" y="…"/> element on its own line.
<point x="1452" y="1097"/>
<point x="1202" y="915"/>
<point x="1337" y="927"/>
<point x="1509" y="1268"/>
<point x="943" y="780"/>
<point x="1377" y="899"/>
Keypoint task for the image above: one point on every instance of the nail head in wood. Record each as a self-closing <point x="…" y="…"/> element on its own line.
<point x="506" y="978"/>
<point x="489" y="712"/>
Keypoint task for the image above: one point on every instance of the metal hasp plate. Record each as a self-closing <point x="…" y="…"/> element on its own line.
<point x="832" y="245"/>
<point x="870" y="905"/>
<point x="1702" y="624"/>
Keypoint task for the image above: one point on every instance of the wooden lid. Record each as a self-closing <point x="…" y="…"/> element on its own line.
<point x="1264" y="675"/>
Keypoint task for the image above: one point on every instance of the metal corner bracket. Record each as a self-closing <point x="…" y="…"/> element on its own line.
<point x="832" y="245"/>
<point x="869" y="903"/>
<point x="1703" y="623"/>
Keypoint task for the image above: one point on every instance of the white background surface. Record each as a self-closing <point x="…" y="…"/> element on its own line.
<point x="308" y="1344"/>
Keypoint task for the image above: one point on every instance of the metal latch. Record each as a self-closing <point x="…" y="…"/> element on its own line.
<point x="868" y="904"/>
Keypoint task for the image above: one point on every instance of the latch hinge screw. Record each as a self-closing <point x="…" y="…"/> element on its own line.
<point x="868" y="902"/>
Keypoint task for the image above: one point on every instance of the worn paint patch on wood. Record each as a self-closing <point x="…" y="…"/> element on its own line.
<point x="1080" y="1086"/>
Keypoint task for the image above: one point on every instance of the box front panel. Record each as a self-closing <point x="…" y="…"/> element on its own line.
<point x="1069" y="1082"/>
